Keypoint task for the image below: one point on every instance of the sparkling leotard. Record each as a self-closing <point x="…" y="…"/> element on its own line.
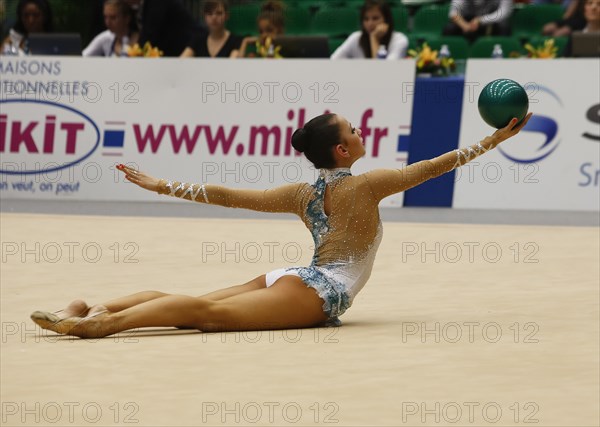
<point x="346" y="240"/>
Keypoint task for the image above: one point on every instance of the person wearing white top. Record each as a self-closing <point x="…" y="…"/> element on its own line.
<point x="475" y="18"/>
<point x="121" y="33"/>
<point x="377" y="38"/>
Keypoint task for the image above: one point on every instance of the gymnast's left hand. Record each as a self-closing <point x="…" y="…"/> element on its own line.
<point x="139" y="178"/>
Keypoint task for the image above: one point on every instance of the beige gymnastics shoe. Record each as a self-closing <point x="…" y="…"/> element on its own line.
<point x="78" y="326"/>
<point x="52" y="322"/>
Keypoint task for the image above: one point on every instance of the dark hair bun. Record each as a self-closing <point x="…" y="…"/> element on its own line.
<point x="300" y="140"/>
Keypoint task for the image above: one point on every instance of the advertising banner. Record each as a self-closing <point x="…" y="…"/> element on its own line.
<point x="554" y="163"/>
<point x="65" y="123"/>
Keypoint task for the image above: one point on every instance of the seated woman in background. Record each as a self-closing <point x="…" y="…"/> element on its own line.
<point x="592" y="16"/>
<point x="121" y="32"/>
<point x="377" y="31"/>
<point x="591" y="13"/>
<point x="33" y="16"/>
<point x="475" y="18"/>
<point x="270" y="23"/>
<point x="573" y="20"/>
<point x="218" y="42"/>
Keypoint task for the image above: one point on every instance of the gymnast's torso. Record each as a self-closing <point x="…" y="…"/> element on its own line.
<point x="346" y="240"/>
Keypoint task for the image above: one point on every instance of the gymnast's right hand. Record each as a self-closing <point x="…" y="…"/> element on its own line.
<point x="139" y="178"/>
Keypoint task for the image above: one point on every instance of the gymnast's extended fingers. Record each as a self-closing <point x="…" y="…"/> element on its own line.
<point x="130" y="172"/>
<point x="139" y="178"/>
<point x="523" y="123"/>
<point x="126" y="169"/>
<point x="512" y="128"/>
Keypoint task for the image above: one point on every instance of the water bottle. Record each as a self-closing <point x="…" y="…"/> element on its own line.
<point x="382" y="52"/>
<point x="444" y="51"/>
<point x="125" y="45"/>
<point x="497" y="53"/>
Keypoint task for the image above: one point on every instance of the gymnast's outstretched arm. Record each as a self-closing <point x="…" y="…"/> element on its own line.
<point x="286" y="198"/>
<point x="385" y="182"/>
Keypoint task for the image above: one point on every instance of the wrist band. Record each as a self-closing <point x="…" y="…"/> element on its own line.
<point x="204" y="193"/>
<point x="187" y="189"/>
<point x="461" y="153"/>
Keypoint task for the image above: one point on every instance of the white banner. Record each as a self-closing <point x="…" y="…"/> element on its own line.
<point x="554" y="164"/>
<point x="66" y="122"/>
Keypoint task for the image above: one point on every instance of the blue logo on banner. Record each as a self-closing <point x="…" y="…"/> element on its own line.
<point x="540" y="124"/>
<point x="114" y="138"/>
<point x="33" y="137"/>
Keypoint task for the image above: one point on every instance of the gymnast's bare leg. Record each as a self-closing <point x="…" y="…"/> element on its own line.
<point x="289" y="303"/>
<point x="79" y="308"/>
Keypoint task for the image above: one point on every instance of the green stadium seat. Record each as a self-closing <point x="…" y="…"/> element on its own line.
<point x="400" y="15"/>
<point x="431" y="20"/>
<point x="529" y="21"/>
<point x="242" y="19"/>
<point x="353" y="4"/>
<point x="415" y="41"/>
<point x="335" y="22"/>
<point x="334" y="43"/>
<point x="459" y="46"/>
<point x="396" y="3"/>
<point x="310" y="5"/>
<point x="483" y="47"/>
<point x="560" y="42"/>
<point x="297" y="21"/>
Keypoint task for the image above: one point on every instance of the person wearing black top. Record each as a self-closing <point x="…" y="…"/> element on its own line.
<point x="218" y="42"/>
<point x="166" y="24"/>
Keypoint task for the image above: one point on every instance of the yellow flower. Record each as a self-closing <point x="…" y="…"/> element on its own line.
<point x="546" y="51"/>
<point x="134" y="50"/>
<point x="147" y="51"/>
<point x="428" y="60"/>
<point x="268" y="50"/>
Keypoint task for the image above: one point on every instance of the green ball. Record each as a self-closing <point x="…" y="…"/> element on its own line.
<point x="501" y="100"/>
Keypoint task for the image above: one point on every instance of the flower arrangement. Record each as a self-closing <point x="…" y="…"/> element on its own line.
<point x="268" y="50"/>
<point x="546" y="51"/>
<point x="428" y="61"/>
<point x="146" y="52"/>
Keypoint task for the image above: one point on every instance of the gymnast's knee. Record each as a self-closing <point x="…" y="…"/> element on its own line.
<point x="215" y="316"/>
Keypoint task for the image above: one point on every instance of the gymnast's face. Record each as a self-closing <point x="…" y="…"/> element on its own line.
<point x="352" y="140"/>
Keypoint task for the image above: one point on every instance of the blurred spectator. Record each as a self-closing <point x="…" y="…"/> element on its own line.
<point x="2" y="16"/>
<point x="592" y="16"/>
<point x="33" y="16"/>
<point x="474" y="18"/>
<point x="592" y="21"/>
<point x="218" y="42"/>
<point x="121" y="32"/>
<point x="377" y="38"/>
<point x="270" y="22"/>
<point x="166" y="24"/>
<point x="573" y="20"/>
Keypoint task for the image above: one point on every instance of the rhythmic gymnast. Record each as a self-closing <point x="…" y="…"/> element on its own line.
<point x="339" y="209"/>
